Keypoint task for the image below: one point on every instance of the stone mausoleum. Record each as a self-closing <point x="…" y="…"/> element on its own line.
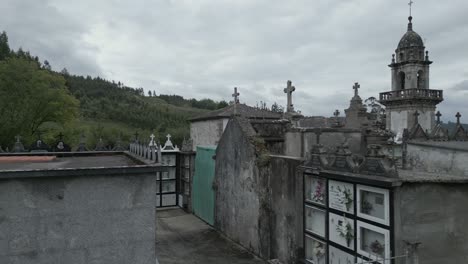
<point x="385" y="185"/>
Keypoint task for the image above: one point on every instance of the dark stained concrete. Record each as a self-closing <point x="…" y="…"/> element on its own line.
<point x="184" y="238"/>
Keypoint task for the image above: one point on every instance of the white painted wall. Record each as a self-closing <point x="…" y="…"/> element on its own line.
<point x="207" y="132"/>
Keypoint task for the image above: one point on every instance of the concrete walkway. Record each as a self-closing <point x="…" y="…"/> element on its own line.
<point x="183" y="238"/>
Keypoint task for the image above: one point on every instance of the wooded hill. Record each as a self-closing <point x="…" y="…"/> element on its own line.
<point x="35" y="100"/>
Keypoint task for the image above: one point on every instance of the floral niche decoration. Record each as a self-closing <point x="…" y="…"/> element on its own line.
<point x="345" y="230"/>
<point x="346" y="197"/>
<point x="366" y="207"/>
<point x="319" y="193"/>
<point x="377" y="247"/>
<point x="319" y="250"/>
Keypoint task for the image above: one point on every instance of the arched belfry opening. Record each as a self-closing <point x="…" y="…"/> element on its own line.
<point x="420" y="79"/>
<point x="401" y="80"/>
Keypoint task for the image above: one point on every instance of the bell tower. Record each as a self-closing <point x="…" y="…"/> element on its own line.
<point x="410" y="92"/>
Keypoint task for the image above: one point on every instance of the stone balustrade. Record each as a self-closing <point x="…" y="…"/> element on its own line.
<point x="406" y="94"/>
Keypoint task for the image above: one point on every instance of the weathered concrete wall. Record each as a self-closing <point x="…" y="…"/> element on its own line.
<point x="435" y="215"/>
<point x="78" y="220"/>
<point x="286" y="202"/>
<point x="258" y="205"/>
<point x="443" y="159"/>
<point x="208" y="132"/>
<point x="237" y="198"/>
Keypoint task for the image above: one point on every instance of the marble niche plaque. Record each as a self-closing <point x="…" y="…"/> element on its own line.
<point x="316" y="191"/>
<point x="315" y="220"/>
<point x="338" y="256"/>
<point x="373" y="242"/>
<point x="373" y="204"/>
<point x="341" y="230"/>
<point x="341" y="196"/>
<point x="316" y="251"/>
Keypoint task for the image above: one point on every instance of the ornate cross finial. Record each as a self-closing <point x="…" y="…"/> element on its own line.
<point x="356" y="86"/>
<point x="152" y="137"/>
<point x="416" y="117"/>
<point x="236" y="96"/>
<point x="438" y="115"/>
<point x="336" y="113"/>
<point x="289" y="90"/>
<point x="136" y="135"/>
<point x="458" y="117"/>
<point x="410" y="4"/>
<point x="169" y="136"/>
<point x="60" y="136"/>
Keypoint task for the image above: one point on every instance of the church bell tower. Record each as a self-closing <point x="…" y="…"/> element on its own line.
<point x="410" y="101"/>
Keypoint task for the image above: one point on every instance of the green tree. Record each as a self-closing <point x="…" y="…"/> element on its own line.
<point x="4" y="47"/>
<point x="31" y="97"/>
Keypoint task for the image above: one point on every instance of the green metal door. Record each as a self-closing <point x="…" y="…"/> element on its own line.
<point x="202" y="186"/>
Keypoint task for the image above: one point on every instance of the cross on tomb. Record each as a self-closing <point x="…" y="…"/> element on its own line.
<point x="235" y="95"/>
<point x="152" y="144"/>
<point x="289" y="90"/>
<point x="60" y="136"/>
<point x="18" y="138"/>
<point x="136" y="135"/>
<point x="438" y="115"/>
<point x="416" y="117"/>
<point x="356" y="86"/>
<point x="458" y="117"/>
<point x="336" y="113"/>
<point x="168" y="136"/>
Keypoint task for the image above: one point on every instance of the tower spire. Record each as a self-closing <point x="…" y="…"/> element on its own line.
<point x="410" y="18"/>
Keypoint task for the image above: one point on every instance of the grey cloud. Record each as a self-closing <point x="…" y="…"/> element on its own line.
<point x="204" y="48"/>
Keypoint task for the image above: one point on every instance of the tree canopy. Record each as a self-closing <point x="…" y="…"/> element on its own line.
<point x="30" y="97"/>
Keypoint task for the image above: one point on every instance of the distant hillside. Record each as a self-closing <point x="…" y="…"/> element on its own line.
<point x="106" y="109"/>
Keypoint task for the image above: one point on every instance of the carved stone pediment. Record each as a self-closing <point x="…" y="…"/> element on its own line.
<point x="417" y="132"/>
<point x="439" y="133"/>
<point x="317" y="157"/>
<point x="342" y="160"/>
<point x="377" y="163"/>
<point x="459" y="134"/>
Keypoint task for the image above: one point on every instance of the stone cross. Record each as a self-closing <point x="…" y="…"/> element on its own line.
<point x="336" y="113"/>
<point x="151" y="144"/>
<point x="356" y="86"/>
<point x="289" y="90"/>
<point x="438" y="114"/>
<point x="416" y="117"/>
<point x="235" y="95"/>
<point x="168" y="136"/>
<point x="458" y="117"/>
<point x="410" y="4"/>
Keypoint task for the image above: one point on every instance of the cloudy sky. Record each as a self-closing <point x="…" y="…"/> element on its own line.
<point x="203" y="48"/>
